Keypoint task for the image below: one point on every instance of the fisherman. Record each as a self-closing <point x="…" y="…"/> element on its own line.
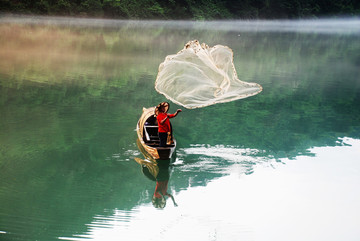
<point x="164" y="122"/>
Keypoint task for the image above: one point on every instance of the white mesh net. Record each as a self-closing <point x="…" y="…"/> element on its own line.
<point x="199" y="76"/>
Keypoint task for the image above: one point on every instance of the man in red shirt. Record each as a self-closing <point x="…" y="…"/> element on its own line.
<point x="164" y="122"/>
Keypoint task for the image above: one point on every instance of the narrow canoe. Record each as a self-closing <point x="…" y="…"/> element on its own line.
<point x="147" y="131"/>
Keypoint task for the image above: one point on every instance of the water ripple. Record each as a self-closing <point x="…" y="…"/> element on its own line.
<point x="218" y="159"/>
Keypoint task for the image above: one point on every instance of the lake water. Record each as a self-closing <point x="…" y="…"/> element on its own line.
<point x="281" y="165"/>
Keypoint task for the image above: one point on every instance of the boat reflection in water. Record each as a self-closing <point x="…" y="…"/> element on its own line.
<point x="158" y="171"/>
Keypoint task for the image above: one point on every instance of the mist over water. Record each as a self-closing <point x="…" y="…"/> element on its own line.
<point x="346" y="25"/>
<point x="268" y="167"/>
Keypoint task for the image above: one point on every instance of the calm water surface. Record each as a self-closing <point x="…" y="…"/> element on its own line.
<point x="282" y="165"/>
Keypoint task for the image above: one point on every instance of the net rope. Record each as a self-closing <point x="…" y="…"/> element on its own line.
<point x="199" y="76"/>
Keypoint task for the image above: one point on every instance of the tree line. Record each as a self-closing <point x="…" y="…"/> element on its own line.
<point x="184" y="9"/>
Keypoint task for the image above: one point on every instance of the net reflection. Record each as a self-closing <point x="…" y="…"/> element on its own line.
<point x="159" y="172"/>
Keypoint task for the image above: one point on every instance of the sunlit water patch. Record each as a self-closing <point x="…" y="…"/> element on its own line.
<point x="296" y="200"/>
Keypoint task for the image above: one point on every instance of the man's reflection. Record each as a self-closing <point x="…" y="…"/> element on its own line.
<point x="162" y="179"/>
<point x="159" y="171"/>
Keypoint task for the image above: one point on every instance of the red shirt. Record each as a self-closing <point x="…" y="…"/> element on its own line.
<point x="161" y="187"/>
<point x="165" y="127"/>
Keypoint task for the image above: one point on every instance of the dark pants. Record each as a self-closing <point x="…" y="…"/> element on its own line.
<point x="163" y="138"/>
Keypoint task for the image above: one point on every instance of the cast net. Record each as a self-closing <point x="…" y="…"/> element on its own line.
<point x="199" y="76"/>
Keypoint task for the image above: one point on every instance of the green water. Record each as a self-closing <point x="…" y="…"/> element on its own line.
<point x="71" y="92"/>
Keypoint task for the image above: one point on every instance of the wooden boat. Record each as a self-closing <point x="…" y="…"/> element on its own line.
<point x="147" y="131"/>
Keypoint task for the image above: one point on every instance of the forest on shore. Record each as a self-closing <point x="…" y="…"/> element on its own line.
<point x="184" y="9"/>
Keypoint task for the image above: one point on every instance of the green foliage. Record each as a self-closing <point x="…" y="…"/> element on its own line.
<point x="133" y="9"/>
<point x="185" y="9"/>
<point x="92" y="7"/>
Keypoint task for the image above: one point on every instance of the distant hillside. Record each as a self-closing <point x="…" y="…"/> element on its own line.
<point x="184" y="9"/>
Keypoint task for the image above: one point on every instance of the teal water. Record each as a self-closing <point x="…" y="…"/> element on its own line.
<point x="282" y="165"/>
